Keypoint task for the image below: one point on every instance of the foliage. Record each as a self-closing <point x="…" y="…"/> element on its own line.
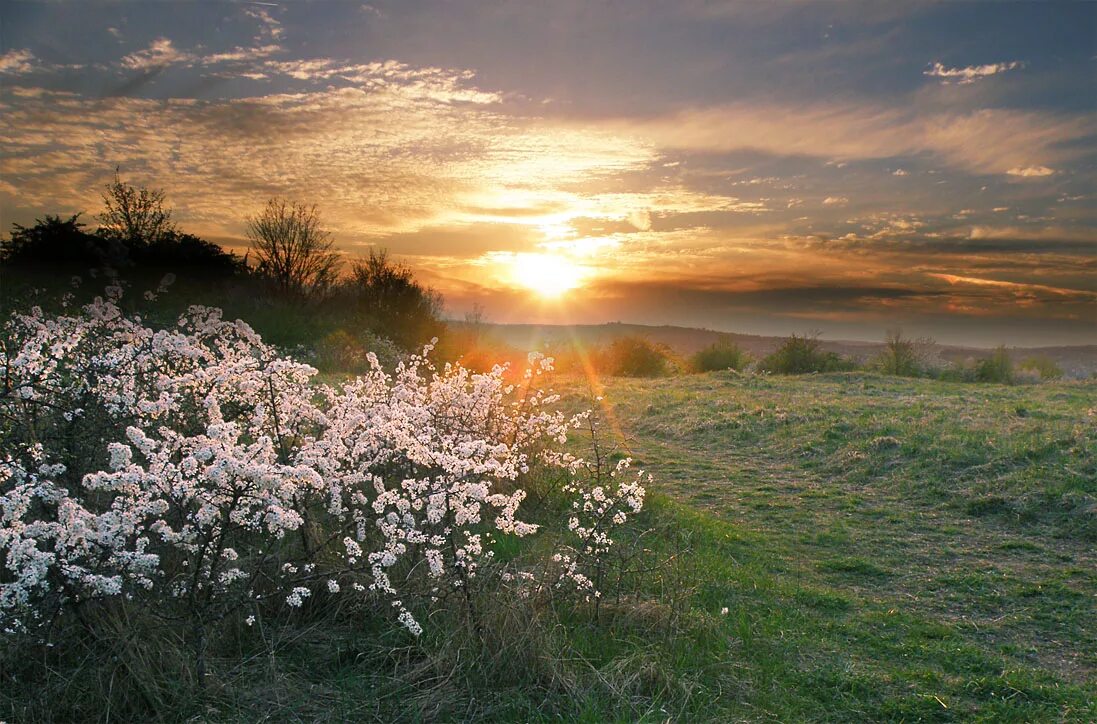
<point x="902" y="356"/>
<point x="997" y="367"/>
<point x="292" y="250"/>
<point x="56" y="243"/>
<point x="341" y="351"/>
<point x="199" y="474"/>
<point x="1043" y="366"/>
<point x="720" y="355"/>
<point x="53" y="244"/>
<point x="802" y="355"/>
<point x="634" y="357"/>
<point x="386" y="298"/>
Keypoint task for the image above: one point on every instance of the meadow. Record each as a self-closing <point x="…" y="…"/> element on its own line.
<point x="843" y="545"/>
<point x="886" y="550"/>
<point x="833" y="547"/>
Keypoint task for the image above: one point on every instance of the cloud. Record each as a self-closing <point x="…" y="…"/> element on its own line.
<point x="241" y="54"/>
<point x="17" y="62"/>
<point x="971" y="73"/>
<point x="160" y="53"/>
<point x="1030" y="171"/>
<point x="641" y="219"/>
<point x="382" y="158"/>
<point x="982" y="141"/>
<point x="271" y="27"/>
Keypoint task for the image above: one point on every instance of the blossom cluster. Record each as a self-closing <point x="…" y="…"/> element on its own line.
<point x="197" y="466"/>
<point x="601" y="505"/>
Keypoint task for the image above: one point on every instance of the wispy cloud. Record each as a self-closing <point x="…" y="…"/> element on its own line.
<point x="270" y="26"/>
<point x="160" y="53"/>
<point x="991" y="140"/>
<point x="971" y="73"/>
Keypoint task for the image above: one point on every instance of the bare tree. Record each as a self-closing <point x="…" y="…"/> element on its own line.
<point x="135" y="215"/>
<point x="292" y="249"/>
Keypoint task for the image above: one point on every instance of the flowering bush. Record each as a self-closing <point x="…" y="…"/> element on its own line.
<point x="202" y="472"/>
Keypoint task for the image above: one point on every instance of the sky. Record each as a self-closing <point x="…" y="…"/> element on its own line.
<point x="762" y="167"/>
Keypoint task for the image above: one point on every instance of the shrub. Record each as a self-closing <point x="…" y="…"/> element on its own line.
<point x="1043" y="366"/>
<point x="721" y="355"/>
<point x="634" y="357"/>
<point x="902" y="356"/>
<point x="199" y="475"/>
<point x="385" y="298"/>
<point x="340" y="351"/>
<point x="998" y="367"/>
<point x="802" y="355"/>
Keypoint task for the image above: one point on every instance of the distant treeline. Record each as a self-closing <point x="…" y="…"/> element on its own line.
<point x="637" y="356"/>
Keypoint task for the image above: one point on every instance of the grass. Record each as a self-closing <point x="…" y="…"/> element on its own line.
<point x="909" y="548"/>
<point x="887" y="549"/>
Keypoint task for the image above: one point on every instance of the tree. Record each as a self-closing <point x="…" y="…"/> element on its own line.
<point x="135" y="216"/>
<point x="53" y="242"/>
<point x="292" y="249"/>
<point x="390" y="302"/>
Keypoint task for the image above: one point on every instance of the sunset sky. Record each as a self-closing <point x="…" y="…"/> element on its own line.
<point x="756" y="167"/>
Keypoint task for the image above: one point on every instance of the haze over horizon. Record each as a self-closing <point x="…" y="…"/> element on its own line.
<point x="764" y="168"/>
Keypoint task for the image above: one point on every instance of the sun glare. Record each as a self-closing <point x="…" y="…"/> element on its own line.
<point x="548" y="275"/>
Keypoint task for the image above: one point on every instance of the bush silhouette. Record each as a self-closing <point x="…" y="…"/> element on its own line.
<point x="634" y="357"/>
<point x="54" y="242"/>
<point x="802" y="355"/>
<point x="385" y="298"/>
<point x="720" y="355"/>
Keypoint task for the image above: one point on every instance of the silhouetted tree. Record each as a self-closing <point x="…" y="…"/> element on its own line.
<point x="390" y="302"/>
<point x="292" y="250"/>
<point x="54" y="242"/>
<point x="135" y="216"/>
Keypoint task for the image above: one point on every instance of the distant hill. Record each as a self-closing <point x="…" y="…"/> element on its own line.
<point x="1078" y="361"/>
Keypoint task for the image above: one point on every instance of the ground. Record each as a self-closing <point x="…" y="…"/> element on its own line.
<point x="892" y="548"/>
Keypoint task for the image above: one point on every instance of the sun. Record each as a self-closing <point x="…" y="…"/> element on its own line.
<point x="549" y="275"/>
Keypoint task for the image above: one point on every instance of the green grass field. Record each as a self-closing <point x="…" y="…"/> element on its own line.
<point x="886" y="549"/>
